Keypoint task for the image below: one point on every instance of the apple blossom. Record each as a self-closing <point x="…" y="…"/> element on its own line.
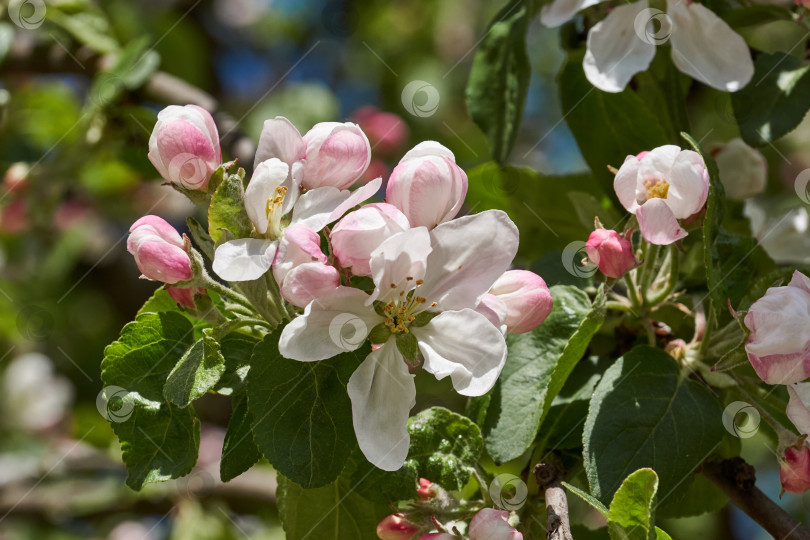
<point x="300" y="267"/>
<point x="664" y="185"/>
<point x="427" y="490"/>
<point x="491" y="524"/>
<point x="779" y="344"/>
<point x="396" y="527"/>
<point x="337" y="155"/>
<point x="280" y="139"/>
<point x="360" y="232"/>
<point x="611" y="252"/>
<point x="273" y="201"/>
<point x="794" y="469"/>
<point x="427" y="185"/>
<point x="798" y="409"/>
<point x="526" y="297"/>
<point x="386" y="131"/>
<point x="703" y="45"/>
<point x="426" y="286"/>
<point x="743" y="170"/>
<point x="184" y="146"/>
<point x="159" y="250"/>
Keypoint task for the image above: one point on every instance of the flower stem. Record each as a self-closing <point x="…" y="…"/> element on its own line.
<point x="672" y="278"/>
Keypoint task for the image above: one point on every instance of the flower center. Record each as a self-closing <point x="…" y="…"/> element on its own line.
<point x="657" y="189"/>
<point x="274" y="212"/>
<point x="401" y="312"/>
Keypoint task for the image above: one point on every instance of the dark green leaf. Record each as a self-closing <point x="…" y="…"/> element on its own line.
<point x="775" y="101"/>
<point x="445" y="446"/>
<point x="499" y="79"/>
<point x="632" y="511"/>
<point x="239" y="451"/>
<point x="227" y="210"/>
<point x="201" y="237"/>
<point x="237" y="348"/>
<point x="196" y="373"/>
<point x="645" y="412"/>
<point x="302" y="417"/>
<point x="538" y="364"/>
<point x="158" y="440"/>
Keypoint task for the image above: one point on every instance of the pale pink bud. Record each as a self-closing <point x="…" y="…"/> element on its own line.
<point x="743" y="170"/>
<point x="494" y="309"/>
<point x="798" y="409"/>
<point x="184" y="146"/>
<point x="396" y="527"/>
<point x="427" y="490"/>
<point x="794" y="469"/>
<point x="159" y="250"/>
<point x="185" y="295"/>
<point x="611" y="252"/>
<point x="527" y="298"/>
<point x="16" y="177"/>
<point x="427" y="185"/>
<point x="779" y="344"/>
<point x="337" y="155"/>
<point x="362" y="231"/>
<point x="491" y="524"/>
<point x="300" y="267"/>
<point x="386" y="131"/>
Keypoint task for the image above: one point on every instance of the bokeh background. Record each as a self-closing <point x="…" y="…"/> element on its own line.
<point x="73" y="144"/>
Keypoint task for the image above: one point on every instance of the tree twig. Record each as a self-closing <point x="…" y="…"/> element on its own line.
<point x="558" y="526"/>
<point x="736" y="479"/>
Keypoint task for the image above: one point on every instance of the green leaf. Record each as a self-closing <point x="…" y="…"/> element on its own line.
<point x="332" y="511"/>
<point x="499" y="79"/>
<point x="159" y="302"/>
<point x="775" y="101"/>
<point x="588" y="498"/>
<point x="445" y="446"/>
<point x="632" y="511"/>
<point x="237" y="349"/>
<point x="645" y="412"/>
<point x="158" y="440"/>
<point x="696" y="496"/>
<point x="302" y="417"/>
<point x="536" y="368"/>
<point x="626" y="125"/>
<point x="239" y="451"/>
<point x="201" y="237"/>
<point x="196" y="373"/>
<point x="227" y="210"/>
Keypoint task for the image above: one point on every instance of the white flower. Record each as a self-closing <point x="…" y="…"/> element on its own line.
<point x="784" y="234"/>
<point x="273" y="201"/>
<point x="703" y="45"/>
<point x="427" y="284"/>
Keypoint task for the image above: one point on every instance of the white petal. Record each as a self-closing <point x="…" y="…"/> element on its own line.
<point x="625" y="183"/>
<point x="706" y="48"/>
<point x="428" y="148"/>
<point x="658" y="224"/>
<point x="614" y="51"/>
<point x="337" y="322"/>
<point x="469" y="254"/>
<point x="464" y="345"/>
<point x="319" y="207"/>
<point x="561" y="11"/>
<point x="399" y="263"/>
<point x="658" y="162"/>
<point x="244" y="259"/>
<point x="383" y="393"/>
<point x="798" y="409"/>
<point x="688" y="184"/>
<point x="280" y="139"/>
<point x="266" y="178"/>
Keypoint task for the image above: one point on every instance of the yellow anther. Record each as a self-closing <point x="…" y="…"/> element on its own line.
<point x="657" y="189"/>
<point x="420" y="281"/>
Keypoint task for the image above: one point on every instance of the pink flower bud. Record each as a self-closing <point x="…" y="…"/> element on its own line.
<point x="16" y="177"/>
<point x="396" y="527"/>
<point x="427" y="185"/>
<point x="527" y="298"/>
<point x="611" y="252"/>
<point x="427" y="490"/>
<point x="794" y="469"/>
<point x="743" y="170"/>
<point x="386" y="131"/>
<point x="185" y="295"/>
<point x="337" y="155"/>
<point x="362" y="231"/>
<point x="159" y="250"/>
<point x="14" y="217"/>
<point x="779" y="344"/>
<point x="491" y="524"/>
<point x="300" y="267"/>
<point x="184" y="146"/>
